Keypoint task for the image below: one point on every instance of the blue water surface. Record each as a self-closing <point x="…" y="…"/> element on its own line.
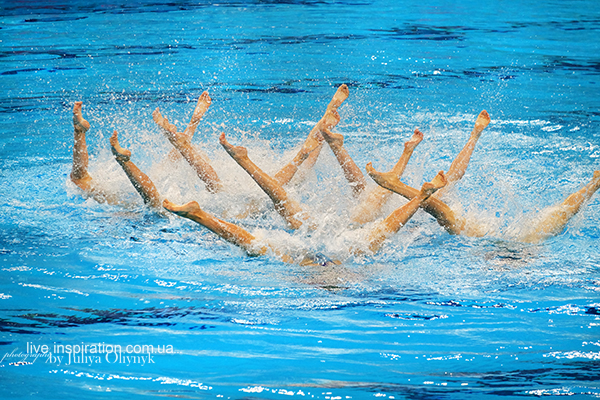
<point x="431" y="315"/>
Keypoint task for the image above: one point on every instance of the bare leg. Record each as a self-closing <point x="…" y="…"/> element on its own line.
<point x="310" y="149"/>
<point x="438" y="209"/>
<point x="402" y="215"/>
<point x="204" y="101"/>
<point x="556" y="221"/>
<point x="314" y="142"/>
<point x="461" y="162"/>
<point x="339" y="97"/>
<point x="79" y="172"/>
<point x="371" y="205"/>
<point x="353" y="174"/>
<point x="312" y="159"/>
<point x="140" y="181"/>
<point x="228" y="231"/>
<point x="80" y="153"/>
<point x="435" y="207"/>
<point x="286" y="207"/>
<point x="181" y="142"/>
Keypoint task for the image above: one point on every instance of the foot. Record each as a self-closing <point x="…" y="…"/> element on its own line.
<point x="79" y="123"/>
<point x="438" y="182"/>
<point x="481" y="123"/>
<point x="335" y="140"/>
<point x="121" y="154"/>
<point x="414" y="140"/>
<point x="84" y="182"/>
<point x="184" y="210"/>
<point x="340" y="96"/>
<point x="383" y="179"/>
<point x="169" y="129"/>
<point x="204" y="102"/>
<point x="236" y="152"/>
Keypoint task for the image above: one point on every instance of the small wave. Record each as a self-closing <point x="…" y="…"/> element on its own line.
<point x="552" y="128"/>
<point x="588" y="355"/>
<point x="417" y="317"/>
<point x="54" y="289"/>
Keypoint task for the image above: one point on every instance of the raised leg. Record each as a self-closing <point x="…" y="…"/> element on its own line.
<point x="140" y="181"/>
<point x="79" y="172"/>
<point x="402" y="215"/>
<point x="182" y="142"/>
<point x="80" y="154"/>
<point x="339" y="97"/>
<point x="438" y="209"/>
<point x="204" y="101"/>
<point x="353" y="174"/>
<point x="311" y="148"/>
<point x="557" y="218"/>
<point x="371" y="205"/>
<point x="226" y="230"/>
<point x="312" y="158"/>
<point x="230" y="232"/>
<point x="461" y="162"/>
<point x="289" y="209"/>
<point x="202" y="105"/>
<point x="435" y="207"/>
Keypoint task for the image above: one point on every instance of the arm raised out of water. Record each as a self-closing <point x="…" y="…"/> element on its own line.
<point x="182" y="143"/>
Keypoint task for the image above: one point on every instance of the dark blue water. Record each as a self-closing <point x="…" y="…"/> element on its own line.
<point x="430" y="316"/>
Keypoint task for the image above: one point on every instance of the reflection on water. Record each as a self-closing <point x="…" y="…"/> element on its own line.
<point x="509" y="255"/>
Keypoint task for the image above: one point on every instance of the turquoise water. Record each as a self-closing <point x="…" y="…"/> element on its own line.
<point x="430" y="316"/>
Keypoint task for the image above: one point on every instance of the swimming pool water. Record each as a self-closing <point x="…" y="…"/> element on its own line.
<point x="430" y="316"/>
